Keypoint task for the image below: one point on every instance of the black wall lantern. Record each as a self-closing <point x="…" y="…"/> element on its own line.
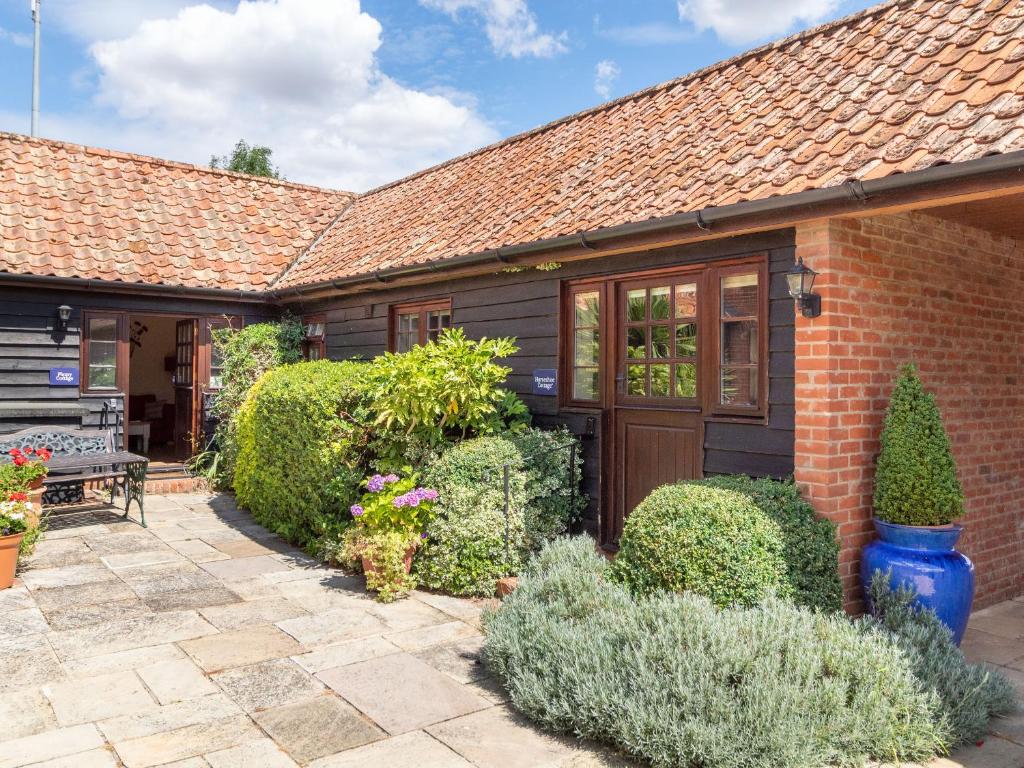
<point x="801" y="282"/>
<point x="63" y="315"/>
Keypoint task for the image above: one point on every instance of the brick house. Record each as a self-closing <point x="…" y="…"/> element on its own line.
<point x="638" y="253"/>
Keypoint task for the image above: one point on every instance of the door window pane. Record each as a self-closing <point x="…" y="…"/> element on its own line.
<point x="686" y="300"/>
<point x="587" y="343"/>
<point x="102" y="362"/>
<point x="636" y="376"/>
<point x="661" y="342"/>
<point x="660" y="382"/>
<point x="588" y="308"/>
<point x="739" y="295"/>
<point x="686" y="380"/>
<point x="661" y="298"/>
<point x="636" y="343"/>
<point x="586" y="351"/>
<point x="739" y="386"/>
<point x="636" y="305"/>
<point x="437" y="321"/>
<point x="408" y="334"/>
<point x="686" y="340"/>
<point x="739" y="342"/>
<point x="585" y="384"/>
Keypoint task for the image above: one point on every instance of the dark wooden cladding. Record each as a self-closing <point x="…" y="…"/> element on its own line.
<point x="525" y="304"/>
<point x="29" y="347"/>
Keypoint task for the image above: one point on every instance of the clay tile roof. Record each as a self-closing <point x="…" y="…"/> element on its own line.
<point x="899" y="87"/>
<point x="73" y="211"/>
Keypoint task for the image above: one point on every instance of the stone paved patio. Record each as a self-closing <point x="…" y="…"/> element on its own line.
<point x="206" y="642"/>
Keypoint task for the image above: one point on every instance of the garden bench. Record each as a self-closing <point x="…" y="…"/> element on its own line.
<point x="82" y="456"/>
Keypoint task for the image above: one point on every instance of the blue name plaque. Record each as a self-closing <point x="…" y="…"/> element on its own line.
<point x="545" y="382"/>
<point x="63" y="377"/>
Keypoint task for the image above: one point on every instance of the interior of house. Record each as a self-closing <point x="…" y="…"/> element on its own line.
<point x="151" y="410"/>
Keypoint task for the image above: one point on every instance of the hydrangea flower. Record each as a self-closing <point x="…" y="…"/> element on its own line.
<point x="375" y="483"/>
<point x="356" y="510"/>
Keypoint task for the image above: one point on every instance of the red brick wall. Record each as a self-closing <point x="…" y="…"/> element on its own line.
<point x="950" y="298"/>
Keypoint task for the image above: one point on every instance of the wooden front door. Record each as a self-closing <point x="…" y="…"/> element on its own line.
<point x="658" y="426"/>
<point x="185" y="389"/>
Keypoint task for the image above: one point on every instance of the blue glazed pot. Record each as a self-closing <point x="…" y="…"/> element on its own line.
<point x="924" y="559"/>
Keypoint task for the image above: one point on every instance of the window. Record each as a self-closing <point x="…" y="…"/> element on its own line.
<point x="413" y="324"/>
<point x="585" y="344"/>
<point x="314" y="345"/>
<point x="103" y="348"/>
<point x="660" y="339"/>
<point x="740" y="339"/>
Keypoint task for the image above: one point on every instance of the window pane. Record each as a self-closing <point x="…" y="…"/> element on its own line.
<point x="686" y="380"/>
<point x="636" y="376"/>
<point x="102" y="377"/>
<point x="661" y="342"/>
<point x="409" y="323"/>
<point x="636" y="342"/>
<point x="103" y="329"/>
<point x="686" y="340"/>
<point x="102" y="362"/>
<point x="660" y="299"/>
<point x="686" y="300"/>
<point x="660" y="381"/>
<point x="636" y="304"/>
<point x="314" y="330"/>
<point x="406" y="341"/>
<point x="438" y="320"/>
<point x="739" y="295"/>
<point x="585" y="384"/>
<point x="586" y="347"/>
<point x="588" y="308"/>
<point x="739" y="342"/>
<point x="739" y="386"/>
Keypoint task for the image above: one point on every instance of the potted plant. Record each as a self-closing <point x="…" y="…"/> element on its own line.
<point x="25" y="474"/>
<point x="14" y="521"/>
<point x="917" y="498"/>
<point x="388" y="526"/>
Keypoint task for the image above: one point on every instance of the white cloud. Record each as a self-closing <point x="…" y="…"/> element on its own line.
<point x="15" y="38"/>
<point x="605" y="74"/>
<point x="744" y="21"/>
<point x="299" y="76"/>
<point x="510" y="25"/>
<point x="110" y="19"/>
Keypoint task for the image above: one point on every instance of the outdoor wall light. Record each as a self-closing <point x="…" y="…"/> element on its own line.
<point x="63" y="315"/>
<point x="801" y="281"/>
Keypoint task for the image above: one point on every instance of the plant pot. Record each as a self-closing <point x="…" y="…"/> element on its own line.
<point x="924" y="559"/>
<point x="37" y="483"/>
<point x="370" y="567"/>
<point x="9" y="558"/>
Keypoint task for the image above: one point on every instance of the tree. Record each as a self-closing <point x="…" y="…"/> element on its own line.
<point x="254" y="160"/>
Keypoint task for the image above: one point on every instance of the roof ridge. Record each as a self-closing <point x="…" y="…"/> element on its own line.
<point x="695" y="74"/>
<point x="312" y="244"/>
<point x="116" y="153"/>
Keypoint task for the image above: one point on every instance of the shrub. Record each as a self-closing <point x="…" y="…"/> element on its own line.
<point x="915" y="482"/>
<point x="971" y="694"/>
<point x="301" y="437"/>
<point x="436" y="391"/>
<point x="678" y="682"/>
<point x="810" y="547"/>
<point x="554" y="500"/>
<point x="705" y="540"/>
<point x="245" y="355"/>
<point x="465" y="553"/>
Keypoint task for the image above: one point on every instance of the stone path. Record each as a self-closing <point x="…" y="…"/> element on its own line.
<point x="206" y="642"/>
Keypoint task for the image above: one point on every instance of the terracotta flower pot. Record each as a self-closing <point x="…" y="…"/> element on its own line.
<point x="9" y="558"/>
<point x="37" y="483"/>
<point x="369" y="567"/>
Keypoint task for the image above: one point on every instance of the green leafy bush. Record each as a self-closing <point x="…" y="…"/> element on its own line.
<point x="465" y="551"/>
<point x="971" y="694"/>
<point x="301" y="440"/>
<point x="915" y="482"/>
<point x="705" y="540"/>
<point x="676" y="681"/>
<point x="437" y="391"/>
<point x="245" y="355"/>
<point x="810" y="547"/>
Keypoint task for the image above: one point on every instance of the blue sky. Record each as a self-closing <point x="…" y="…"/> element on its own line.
<point x="353" y="94"/>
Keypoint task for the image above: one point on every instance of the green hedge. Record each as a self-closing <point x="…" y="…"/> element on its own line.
<point x="300" y="455"/>
<point x="676" y="681"/>
<point x="810" y="546"/>
<point x="705" y="540"/>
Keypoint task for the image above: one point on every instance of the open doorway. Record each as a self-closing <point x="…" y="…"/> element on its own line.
<point x="152" y="411"/>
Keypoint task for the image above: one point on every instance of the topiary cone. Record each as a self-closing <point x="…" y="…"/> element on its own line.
<point x="915" y="481"/>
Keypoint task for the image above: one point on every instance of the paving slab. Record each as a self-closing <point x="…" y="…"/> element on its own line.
<point x="28" y="661"/>
<point x="402" y="693"/>
<point x="268" y="684"/>
<point x="135" y="632"/>
<point x="171" y="717"/>
<point x="186" y="599"/>
<point x="94" y="758"/>
<point x="67" y="576"/>
<point x="15" y="599"/>
<point x="127" y="560"/>
<point x="318" y="727"/>
<point x="134" y="540"/>
<point x="77" y="595"/>
<point x="49" y="745"/>
<point x="243" y="547"/>
<point x="332" y="627"/>
<point x="27" y="621"/>
<point x="119" y="661"/>
<point x="1004" y="620"/>
<point x="410" y="750"/>
<point x="436" y="634"/>
<point x="244" y="567"/>
<point x="251" y="613"/>
<point x="348" y="652"/>
<point x="252" y="589"/>
<point x="88" y="699"/>
<point x="497" y="738"/>
<point x="407" y="614"/>
<point x="262" y="754"/>
<point x="168" y="577"/>
<point x="178" y="680"/>
<point x="457" y="607"/>
<point x="993" y="753"/>
<point x="981" y="646"/>
<point x="82" y="615"/>
<point x="459" y="660"/>
<point x="186" y="742"/>
<point x="197" y="550"/>
<point x="24" y="713"/>
<point x="58" y="553"/>
<point x="241" y="647"/>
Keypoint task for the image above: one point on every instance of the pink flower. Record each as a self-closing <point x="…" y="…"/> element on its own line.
<point x="356" y="510"/>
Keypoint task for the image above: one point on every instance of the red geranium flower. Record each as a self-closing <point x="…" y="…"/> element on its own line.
<point x="17" y="496"/>
<point x="44" y="454"/>
<point x="29" y="450"/>
<point x="14" y="452"/>
<point x="20" y="461"/>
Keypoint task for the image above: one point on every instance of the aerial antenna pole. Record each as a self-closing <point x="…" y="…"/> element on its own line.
<point x="35" y="68"/>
